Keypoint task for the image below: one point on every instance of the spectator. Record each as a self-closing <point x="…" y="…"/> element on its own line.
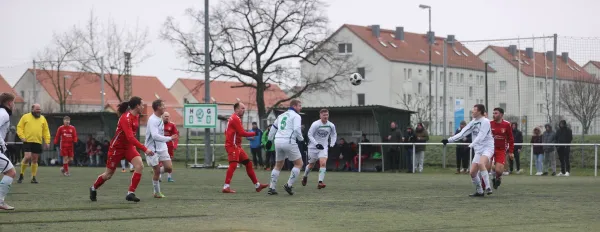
<point x="409" y="137"/>
<point x="564" y="135"/>
<point x="549" y="156"/>
<point x="345" y="154"/>
<point x="255" y="147"/>
<point x="393" y="154"/>
<point x="92" y="151"/>
<point x="518" y="137"/>
<point x="422" y="137"/>
<point x="462" y="152"/>
<point x="270" y="153"/>
<point x="538" y="151"/>
<point x="365" y="150"/>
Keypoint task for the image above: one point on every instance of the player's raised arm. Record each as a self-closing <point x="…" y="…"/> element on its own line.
<point x="333" y="136"/>
<point x="484" y="130"/>
<point x="273" y="130"/>
<point x="311" y="132"/>
<point x="467" y="130"/>
<point x="153" y="127"/>
<point x="126" y="127"/>
<point x="239" y="129"/>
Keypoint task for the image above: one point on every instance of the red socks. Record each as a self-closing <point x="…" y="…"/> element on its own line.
<point x="230" y="171"/>
<point x="251" y="173"/>
<point x="135" y="180"/>
<point x="66" y="167"/>
<point x="99" y="182"/>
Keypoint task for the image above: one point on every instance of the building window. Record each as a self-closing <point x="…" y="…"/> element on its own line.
<point x="420" y="72"/>
<point x="420" y="86"/>
<point x="451" y="101"/>
<point x="361" y="71"/>
<point x="470" y="91"/>
<point x="441" y="102"/>
<point x="23" y="94"/>
<point x="345" y="48"/>
<point x="441" y="77"/>
<point x="462" y="78"/>
<point x="481" y="80"/>
<point x="361" y="99"/>
<point x="502" y="86"/>
<point x="409" y="74"/>
<point x="450" y="78"/>
<point x="503" y="106"/>
<point x="185" y="100"/>
<point x="405" y="74"/>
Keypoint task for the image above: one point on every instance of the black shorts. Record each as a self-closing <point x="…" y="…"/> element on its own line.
<point x="35" y="148"/>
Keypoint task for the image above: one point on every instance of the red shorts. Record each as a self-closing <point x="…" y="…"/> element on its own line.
<point x="171" y="151"/>
<point x="116" y="155"/>
<point x="236" y="154"/>
<point x="66" y="151"/>
<point x="500" y="156"/>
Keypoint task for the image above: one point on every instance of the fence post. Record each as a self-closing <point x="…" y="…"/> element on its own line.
<point x="595" y="159"/>
<point x="444" y="158"/>
<point x="195" y="155"/>
<point x="413" y="157"/>
<point x="382" y="161"/>
<point x="359" y="156"/>
<point x="531" y="162"/>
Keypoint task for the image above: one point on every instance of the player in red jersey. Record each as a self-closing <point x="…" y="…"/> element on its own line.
<point x="503" y="140"/>
<point x="170" y="129"/>
<point x="123" y="145"/>
<point x="67" y="136"/>
<point x="233" y="145"/>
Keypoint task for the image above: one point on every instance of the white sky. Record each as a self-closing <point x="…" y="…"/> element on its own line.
<point x="26" y="27"/>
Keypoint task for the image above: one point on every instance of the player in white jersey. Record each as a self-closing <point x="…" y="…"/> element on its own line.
<point x="285" y="131"/>
<point x="156" y="141"/>
<point x="483" y="144"/>
<point x="318" y="137"/>
<point x="7" y="102"/>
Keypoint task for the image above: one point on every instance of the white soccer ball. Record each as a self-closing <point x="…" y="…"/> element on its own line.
<point x="53" y="161"/>
<point x="356" y="78"/>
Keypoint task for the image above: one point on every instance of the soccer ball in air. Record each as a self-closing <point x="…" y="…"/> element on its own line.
<point x="53" y="161"/>
<point x="356" y="78"/>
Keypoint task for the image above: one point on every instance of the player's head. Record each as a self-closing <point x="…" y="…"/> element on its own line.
<point x="158" y="106"/>
<point x="239" y="109"/>
<point x="254" y="125"/>
<point x="166" y="117"/>
<point x="478" y="111"/>
<point x="296" y="105"/>
<point x="36" y="110"/>
<point x="134" y="104"/>
<point x="324" y="114"/>
<point x="7" y="100"/>
<point x="498" y="114"/>
<point x="463" y="124"/>
<point x="66" y="120"/>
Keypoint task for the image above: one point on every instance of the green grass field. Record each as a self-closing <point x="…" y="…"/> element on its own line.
<point x="433" y="201"/>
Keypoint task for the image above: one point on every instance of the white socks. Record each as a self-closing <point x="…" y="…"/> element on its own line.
<point x="225" y="186"/>
<point x="477" y="182"/>
<point x="322" y="172"/>
<point x="274" y="177"/>
<point x="257" y="185"/>
<point x="169" y="175"/>
<point x="156" y="185"/>
<point x="486" y="178"/>
<point x="293" y="176"/>
<point x="130" y="166"/>
<point x="306" y="171"/>
<point x="5" y="186"/>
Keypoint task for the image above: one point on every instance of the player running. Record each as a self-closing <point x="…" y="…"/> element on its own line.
<point x="157" y="143"/>
<point x="502" y="132"/>
<point x="483" y="144"/>
<point x="233" y="145"/>
<point x="67" y="136"/>
<point x="122" y="145"/>
<point x="286" y="131"/>
<point x="170" y="130"/>
<point x="7" y="102"/>
<point x="319" y="136"/>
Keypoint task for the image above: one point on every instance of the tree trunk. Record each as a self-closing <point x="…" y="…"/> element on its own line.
<point x="260" y="103"/>
<point x="583" y="132"/>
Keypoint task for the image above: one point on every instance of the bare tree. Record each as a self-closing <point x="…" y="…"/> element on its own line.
<point x="260" y="42"/>
<point x="54" y="59"/>
<point x="580" y="98"/>
<point x="417" y="103"/>
<point x="110" y="42"/>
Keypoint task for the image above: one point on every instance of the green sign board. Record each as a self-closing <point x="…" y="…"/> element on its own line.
<point x="200" y="116"/>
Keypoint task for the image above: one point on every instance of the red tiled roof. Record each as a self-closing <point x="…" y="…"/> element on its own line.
<point x="5" y="87"/>
<point x="415" y="49"/>
<point x="565" y="71"/>
<point x="595" y="63"/>
<point x="223" y="92"/>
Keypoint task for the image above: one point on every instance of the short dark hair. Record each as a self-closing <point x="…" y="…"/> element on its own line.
<point x="6" y="97"/>
<point x="66" y="118"/>
<point x="294" y="102"/>
<point x="480" y="108"/>
<point x="236" y="106"/>
<point x="323" y="111"/>
<point x="499" y="110"/>
<point x="254" y="123"/>
<point x="156" y="103"/>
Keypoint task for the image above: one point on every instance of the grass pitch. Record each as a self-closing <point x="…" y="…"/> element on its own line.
<point x="433" y="201"/>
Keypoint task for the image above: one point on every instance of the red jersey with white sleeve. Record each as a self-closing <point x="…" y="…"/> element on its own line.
<point x="171" y="129"/>
<point x="66" y="135"/>
<point x="503" y="137"/>
<point x="235" y="131"/>
<point x="125" y="136"/>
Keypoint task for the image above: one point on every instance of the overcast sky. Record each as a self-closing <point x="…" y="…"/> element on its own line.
<point x="26" y="27"/>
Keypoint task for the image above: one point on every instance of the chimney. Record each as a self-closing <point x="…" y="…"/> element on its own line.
<point x="431" y="37"/>
<point x="450" y="40"/>
<point x="549" y="55"/>
<point x="399" y="33"/>
<point x="375" y="30"/>
<point x="512" y="49"/>
<point x="529" y="52"/>
<point x="565" y="57"/>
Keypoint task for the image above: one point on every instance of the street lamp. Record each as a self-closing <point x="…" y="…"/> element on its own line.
<point x="430" y="39"/>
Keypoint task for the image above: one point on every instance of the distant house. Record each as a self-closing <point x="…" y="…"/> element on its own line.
<point x="593" y="67"/>
<point x="84" y="92"/>
<point x="5" y="87"/>
<point x="225" y="94"/>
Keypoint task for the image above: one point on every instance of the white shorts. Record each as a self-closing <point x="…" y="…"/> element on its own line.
<point x="315" y="154"/>
<point x="5" y="163"/>
<point x="484" y="152"/>
<point x="157" y="157"/>
<point x="287" y="151"/>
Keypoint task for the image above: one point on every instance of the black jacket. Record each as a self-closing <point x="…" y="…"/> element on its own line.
<point x="564" y="134"/>
<point x="518" y="136"/>
<point x="396" y="138"/>
<point x="463" y="148"/>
